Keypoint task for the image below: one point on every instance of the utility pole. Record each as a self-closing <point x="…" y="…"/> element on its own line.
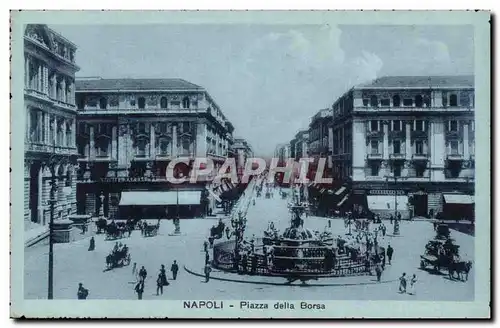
<point x="52" y="202"/>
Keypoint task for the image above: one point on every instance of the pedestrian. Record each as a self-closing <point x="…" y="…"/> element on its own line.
<point x="92" y="244"/>
<point x="390" y="251"/>
<point x="207" y="258"/>
<point x="205" y="246"/>
<point x="174" y="268"/>
<point x="207" y="270"/>
<point x="139" y="289"/>
<point x="82" y="292"/>
<point x="413" y="282"/>
<point x="391" y="218"/>
<point x="378" y="271"/>
<point x="159" y="284"/>
<point x="142" y="274"/>
<point x="134" y="269"/>
<point x="402" y="283"/>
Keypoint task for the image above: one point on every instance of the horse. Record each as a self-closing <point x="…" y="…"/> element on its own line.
<point x="462" y="268"/>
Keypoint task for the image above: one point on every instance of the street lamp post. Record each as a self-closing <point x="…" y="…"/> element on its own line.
<point x="52" y="201"/>
<point x="396" y="221"/>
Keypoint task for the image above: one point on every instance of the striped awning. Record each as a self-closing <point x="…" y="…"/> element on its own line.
<point x="340" y="191"/>
<point x="458" y="199"/>
<point x="343" y="200"/>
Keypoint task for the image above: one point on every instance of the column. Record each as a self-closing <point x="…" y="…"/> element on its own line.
<point x="63" y="128"/>
<point x="53" y="123"/>
<point x="152" y="142"/>
<point x="201" y="140"/>
<point x="438" y="150"/>
<point x="386" y="140"/>
<point x="73" y="133"/>
<point x="46" y="80"/>
<point x="114" y="149"/>
<point x="408" y="151"/>
<point x="39" y="78"/>
<point x="92" y="143"/>
<point x="466" y="142"/>
<point x="63" y="87"/>
<point x="47" y="130"/>
<point x="174" y="140"/>
<point x="122" y="144"/>
<point x="358" y="156"/>
<point x="54" y="86"/>
<point x="39" y="130"/>
<point x="27" y="71"/>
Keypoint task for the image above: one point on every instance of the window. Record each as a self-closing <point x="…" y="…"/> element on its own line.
<point x="454" y="147"/>
<point x="427" y="101"/>
<point x="445" y="99"/>
<point x="142" y="102"/>
<point x="464" y="99"/>
<point x="396" y="125"/>
<point x="419" y="125"/>
<point x="373" y="125"/>
<point x="385" y="102"/>
<point x="419" y="147"/>
<point x="103" y="103"/>
<point x="163" y="102"/>
<point x="419" y="171"/>
<point x="81" y="102"/>
<point x="374" y="169"/>
<point x="102" y="144"/>
<point x="132" y="102"/>
<point x="419" y="101"/>
<point x="185" y="102"/>
<point x="33" y="133"/>
<point x="365" y="102"/>
<point x="453" y="100"/>
<point x="396" y="146"/>
<point x="397" y="169"/>
<point x="374" y="101"/>
<point x="141" y="148"/>
<point x="453" y="126"/>
<point x="164" y="146"/>
<point x="408" y="102"/>
<point x="141" y="128"/>
<point x="396" y="101"/>
<point x="186" y="145"/>
<point x="374" y="147"/>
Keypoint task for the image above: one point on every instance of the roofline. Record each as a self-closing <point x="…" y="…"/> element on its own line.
<point x="59" y="35"/>
<point x="412" y="88"/>
<point x="137" y="90"/>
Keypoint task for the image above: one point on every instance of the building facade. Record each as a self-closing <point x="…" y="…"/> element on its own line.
<point x="129" y="130"/>
<point x="49" y="142"/>
<point x="320" y="137"/>
<point x="241" y="151"/>
<point x="407" y="142"/>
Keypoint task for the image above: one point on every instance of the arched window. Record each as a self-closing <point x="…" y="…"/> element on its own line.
<point x="163" y="102"/>
<point x="141" y="147"/>
<point x="453" y="100"/>
<point x="142" y="102"/>
<point x="374" y="101"/>
<point x="103" y="103"/>
<point x="396" y="101"/>
<point x="419" y="101"/>
<point x="185" y="102"/>
<point x="164" y="146"/>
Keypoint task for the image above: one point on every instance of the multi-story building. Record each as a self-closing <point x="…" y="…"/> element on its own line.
<point x="300" y="143"/>
<point x="407" y="142"/>
<point x="129" y="130"/>
<point x="282" y="153"/>
<point x="320" y="131"/>
<point x="49" y="141"/>
<point x="241" y="150"/>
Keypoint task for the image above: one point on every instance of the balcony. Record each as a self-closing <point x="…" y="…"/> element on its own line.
<point x="397" y="156"/>
<point x="374" y="134"/>
<point x="38" y="95"/>
<point x="420" y="157"/>
<point x="151" y="110"/>
<point x="43" y="148"/>
<point x="64" y="105"/>
<point x="374" y="156"/>
<point x="455" y="157"/>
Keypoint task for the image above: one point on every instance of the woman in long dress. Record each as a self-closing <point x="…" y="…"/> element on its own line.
<point x="413" y="282"/>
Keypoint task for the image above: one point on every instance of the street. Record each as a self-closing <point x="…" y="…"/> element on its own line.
<point x="74" y="264"/>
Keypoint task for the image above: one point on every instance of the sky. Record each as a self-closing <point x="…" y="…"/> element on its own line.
<point x="269" y="80"/>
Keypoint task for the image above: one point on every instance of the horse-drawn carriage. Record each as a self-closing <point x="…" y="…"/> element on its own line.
<point x="216" y="232"/>
<point x="116" y="230"/>
<point x="442" y="231"/>
<point x="118" y="258"/>
<point x="441" y="254"/>
<point x="150" y="230"/>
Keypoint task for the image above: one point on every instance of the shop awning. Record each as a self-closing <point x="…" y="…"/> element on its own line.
<point x="151" y="198"/>
<point x="340" y="191"/>
<point x="458" y="199"/>
<point x="387" y="202"/>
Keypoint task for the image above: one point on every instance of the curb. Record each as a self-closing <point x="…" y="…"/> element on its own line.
<point x="287" y="284"/>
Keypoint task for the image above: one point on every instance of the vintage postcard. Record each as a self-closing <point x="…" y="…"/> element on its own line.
<point x="272" y="164"/>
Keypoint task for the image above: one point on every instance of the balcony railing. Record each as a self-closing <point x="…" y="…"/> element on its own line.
<point x="37" y="94"/>
<point x="455" y="156"/>
<point x="420" y="157"/>
<point x="411" y="109"/>
<point x="43" y="148"/>
<point x="374" y="134"/>
<point x="395" y="156"/>
<point x="374" y="156"/>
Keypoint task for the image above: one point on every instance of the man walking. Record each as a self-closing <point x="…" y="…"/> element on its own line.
<point x="142" y="274"/>
<point x="159" y="284"/>
<point x="390" y="251"/>
<point x="402" y="283"/>
<point x="139" y="289"/>
<point x="378" y="271"/>
<point x="82" y="292"/>
<point x="207" y="270"/>
<point x="174" y="268"/>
